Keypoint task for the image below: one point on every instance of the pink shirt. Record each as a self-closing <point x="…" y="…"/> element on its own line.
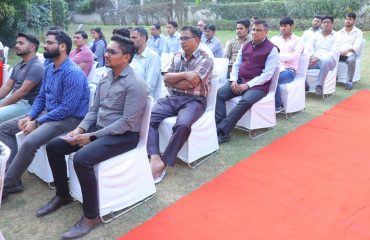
<point x="290" y="50"/>
<point x="83" y="55"/>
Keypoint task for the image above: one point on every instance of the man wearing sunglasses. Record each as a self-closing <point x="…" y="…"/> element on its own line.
<point x="111" y="127"/>
<point x="188" y="85"/>
<point x="58" y="108"/>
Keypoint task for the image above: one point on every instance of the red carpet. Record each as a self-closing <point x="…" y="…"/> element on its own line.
<point x="311" y="184"/>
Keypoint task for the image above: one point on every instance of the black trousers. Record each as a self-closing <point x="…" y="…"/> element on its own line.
<point x="84" y="160"/>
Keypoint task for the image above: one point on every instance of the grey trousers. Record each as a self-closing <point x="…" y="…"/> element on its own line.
<point x="21" y="158"/>
<point x="351" y="63"/>
<point x="325" y="65"/>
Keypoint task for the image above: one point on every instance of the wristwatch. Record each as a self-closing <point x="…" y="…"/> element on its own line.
<point x="92" y="138"/>
<point x="37" y="123"/>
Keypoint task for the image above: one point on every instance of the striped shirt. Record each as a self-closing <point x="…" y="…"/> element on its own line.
<point x="172" y="43"/>
<point x="199" y="62"/>
<point x="215" y="45"/>
<point x="64" y="93"/>
<point x="118" y="104"/>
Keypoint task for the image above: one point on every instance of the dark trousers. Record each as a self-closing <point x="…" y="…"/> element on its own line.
<point x="227" y="123"/>
<point x="188" y="109"/>
<point x="84" y="160"/>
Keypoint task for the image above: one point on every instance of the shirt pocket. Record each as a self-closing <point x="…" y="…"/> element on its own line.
<point x="116" y="100"/>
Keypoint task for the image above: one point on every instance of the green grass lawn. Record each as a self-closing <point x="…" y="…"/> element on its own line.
<point x="17" y="216"/>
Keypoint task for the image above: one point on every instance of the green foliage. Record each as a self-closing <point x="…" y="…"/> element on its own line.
<point x="38" y="17"/>
<point x="248" y="10"/>
<point x="309" y="8"/>
<point x="12" y="20"/>
<point x="59" y="13"/>
<point x="86" y="6"/>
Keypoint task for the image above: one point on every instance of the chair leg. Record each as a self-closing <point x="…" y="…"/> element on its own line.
<point x="327" y="96"/>
<point x="113" y="215"/>
<point x="199" y="161"/>
<point x="293" y="114"/>
<point x="251" y="131"/>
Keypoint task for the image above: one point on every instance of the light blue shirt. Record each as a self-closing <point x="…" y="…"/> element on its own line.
<point x="272" y="62"/>
<point x="157" y="43"/>
<point x="172" y="44"/>
<point x="216" y="47"/>
<point x="148" y="66"/>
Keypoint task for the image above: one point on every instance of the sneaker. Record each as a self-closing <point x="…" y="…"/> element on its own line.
<point x="279" y="109"/>
<point x="319" y="90"/>
<point x="349" y="86"/>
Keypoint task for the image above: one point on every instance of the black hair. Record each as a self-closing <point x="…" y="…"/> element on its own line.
<point x="194" y="31"/>
<point x="286" y="20"/>
<point x="210" y="27"/>
<point x="318" y="16"/>
<point x="157" y="26"/>
<point x="142" y="31"/>
<point x="351" y="15"/>
<point x="83" y="34"/>
<point x="245" y="22"/>
<point x="122" y="32"/>
<point x="328" y="17"/>
<point x="126" y="45"/>
<point x="32" y="39"/>
<point x="263" y="22"/>
<point x="101" y="35"/>
<point x="61" y="37"/>
<point x="173" y="23"/>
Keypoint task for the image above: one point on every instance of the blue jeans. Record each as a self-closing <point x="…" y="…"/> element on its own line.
<point x="285" y="76"/>
<point x="14" y="110"/>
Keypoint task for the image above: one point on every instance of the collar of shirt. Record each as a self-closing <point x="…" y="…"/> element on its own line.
<point x="241" y="40"/>
<point x="64" y="65"/>
<point x="315" y="30"/>
<point x="35" y="58"/>
<point x="175" y="35"/>
<point x="354" y="29"/>
<point x="126" y="71"/>
<point x="195" y="54"/>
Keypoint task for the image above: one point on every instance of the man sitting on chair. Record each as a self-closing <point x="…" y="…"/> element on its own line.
<point x="250" y="78"/>
<point x="324" y="47"/>
<point x="82" y="55"/>
<point x="188" y="84"/>
<point x="291" y="48"/>
<point x="111" y="127"/>
<point x="350" y="43"/>
<point x="58" y="108"/>
<point x="19" y="92"/>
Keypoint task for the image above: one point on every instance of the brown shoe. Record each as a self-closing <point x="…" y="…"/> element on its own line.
<point x="82" y="227"/>
<point x="53" y="205"/>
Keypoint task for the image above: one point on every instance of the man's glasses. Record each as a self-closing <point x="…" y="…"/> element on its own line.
<point x="111" y="52"/>
<point x="185" y="38"/>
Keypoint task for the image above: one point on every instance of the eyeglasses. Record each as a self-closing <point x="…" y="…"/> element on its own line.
<point x="200" y="25"/>
<point x="257" y="30"/>
<point x="50" y="43"/>
<point x="111" y="52"/>
<point x="185" y="38"/>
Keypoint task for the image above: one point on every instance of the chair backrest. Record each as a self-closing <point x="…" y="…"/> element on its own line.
<point x="144" y="129"/>
<point x="92" y="88"/>
<point x="6" y="73"/>
<point x="212" y="94"/>
<point x="303" y="66"/>
<point x="361" y="51"/>
<point x="220" y="66"/>
<point x="274" y="81"/>
<point x="41" y="57"/>
<point x="6" y="53"/>
<point x="4" y="155"/>
<point x="92" y="78"/>
<point x="166" y="59"/>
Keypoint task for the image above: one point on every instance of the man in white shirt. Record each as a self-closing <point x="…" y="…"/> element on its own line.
<point x="324" y="49"/>
<point x="172" y="42"/>
<point x="312" y="31"/>
<point x="146" y="62"/>
<point x="291" y="48"/>
<point x="350" y="43"/>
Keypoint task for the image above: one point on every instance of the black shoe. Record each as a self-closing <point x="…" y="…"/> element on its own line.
<point x="82" y="227"/>
<point x="222" y="138"/>
<point x="349" y="86"/>
<point x="16" y="188"/>
<point x="306" y="87"/>
<point x="4" y="197"/>
<point x="319" y="90"/>
<point x="53" y="205"/>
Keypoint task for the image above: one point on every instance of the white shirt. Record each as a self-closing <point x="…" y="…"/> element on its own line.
<point x="352" y="39"/>
<point x="325" y="47"/>
<point x="290" y="51"/>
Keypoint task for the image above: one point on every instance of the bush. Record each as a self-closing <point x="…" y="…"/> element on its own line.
<point x="86" y="7"/>
<point x="59" y="13"/>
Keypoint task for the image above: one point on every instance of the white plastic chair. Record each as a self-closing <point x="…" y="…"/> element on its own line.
<point x="221" y="66"/>
<point x="330" y="80"/>
<point x="202" y="142"/>
<point x="343" y="68"/>
<point x="7" y="72"/>
<point x="124" y="181"/>
<point x="41" y="57"/>
<point x="92" y="77"/>
<point x="6" y="54"/>
<point x="4" y="156"/>
<point x="262" y="114"/>
<point x="40" y="164"/>
<point x="293" y="93"/>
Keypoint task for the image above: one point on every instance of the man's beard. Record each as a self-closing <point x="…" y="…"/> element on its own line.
<point x="51" y="54"/>
<point x="20" y="53"/>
